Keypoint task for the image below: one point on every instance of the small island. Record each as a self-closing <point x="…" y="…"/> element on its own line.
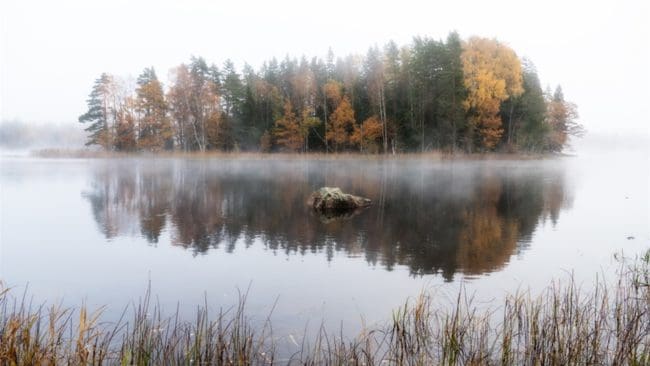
<point x="453" y="96"/>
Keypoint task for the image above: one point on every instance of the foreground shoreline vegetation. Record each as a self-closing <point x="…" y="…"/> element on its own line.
<point x="456" y="95"/>
<point x="608" y="323"/>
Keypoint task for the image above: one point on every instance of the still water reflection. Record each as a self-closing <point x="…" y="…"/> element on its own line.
<point x="442" y="218"/>
<point x="197" y="230"/>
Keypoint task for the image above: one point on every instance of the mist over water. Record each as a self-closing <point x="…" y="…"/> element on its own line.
<point x="198" y="229"/>
<point x="19" y="137"/>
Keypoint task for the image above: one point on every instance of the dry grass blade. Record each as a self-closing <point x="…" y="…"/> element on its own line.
<point x="566" y="324"/>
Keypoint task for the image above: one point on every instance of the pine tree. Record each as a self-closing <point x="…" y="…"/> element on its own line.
<point x="524" y="116"/>
<point x="453" y="92"/>
<point x="232" y="92"/>
<point x="98" y="114"/>
<point x="376" y="86"/>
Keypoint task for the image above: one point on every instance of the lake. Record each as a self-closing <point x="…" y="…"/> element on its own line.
<point x="205" y="230"/>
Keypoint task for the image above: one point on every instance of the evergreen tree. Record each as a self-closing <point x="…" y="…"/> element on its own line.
<point x="524" y="115"/>
<point x="452" y="93"/>
<point x="375" y="79"/>
<point x="394" y="92"/>
<point x="232" y="90"/>
<point x="97" y="116"/>
<point x="233" y="94"/>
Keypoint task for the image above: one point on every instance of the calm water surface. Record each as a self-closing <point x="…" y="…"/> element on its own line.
<point x="101" y="230"/>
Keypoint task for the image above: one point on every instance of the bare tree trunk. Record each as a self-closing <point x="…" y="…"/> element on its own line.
<point x="382" y="116"/>
<point x="361" y="140"/>
<point x="512" y="108"/>
<point x="203" y="134"/>
<point x="196" y="136"/>
<point x="325" y="113"/>
<point x="307" y="141"/>
<point x="421" y="126"/>
<point x="453" y="115"/>
<point x="105" y="112"/>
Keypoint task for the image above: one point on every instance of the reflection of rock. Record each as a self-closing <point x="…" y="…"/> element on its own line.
<point x="330" y="216"/>
<point x="331" y="200"/>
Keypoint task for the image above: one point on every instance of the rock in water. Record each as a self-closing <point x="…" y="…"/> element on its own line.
<point x="332" y="199"/>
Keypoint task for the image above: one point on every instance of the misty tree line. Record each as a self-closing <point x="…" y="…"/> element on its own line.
<point x="468" y="95"/>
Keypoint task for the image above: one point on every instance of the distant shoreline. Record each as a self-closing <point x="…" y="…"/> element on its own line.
<point x="429" y="155"/>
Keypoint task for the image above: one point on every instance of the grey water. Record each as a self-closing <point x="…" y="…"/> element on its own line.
<point x="102" y="231"/>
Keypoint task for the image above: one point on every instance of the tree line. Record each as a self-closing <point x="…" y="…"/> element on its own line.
<point x="471" y="95"/>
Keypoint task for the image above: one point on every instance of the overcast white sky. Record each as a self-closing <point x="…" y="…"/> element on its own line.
<point x="52" y="51"/>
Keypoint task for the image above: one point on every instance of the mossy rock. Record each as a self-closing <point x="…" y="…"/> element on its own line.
<point x="332" y="199"/>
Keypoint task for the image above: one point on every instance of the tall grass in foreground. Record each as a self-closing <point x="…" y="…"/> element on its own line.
<point x="566" y="325"/>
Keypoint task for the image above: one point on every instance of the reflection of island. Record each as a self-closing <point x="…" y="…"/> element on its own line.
<point x="467" y="217"/>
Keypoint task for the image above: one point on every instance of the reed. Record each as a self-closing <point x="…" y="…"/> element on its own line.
<point x="607" y="323"/>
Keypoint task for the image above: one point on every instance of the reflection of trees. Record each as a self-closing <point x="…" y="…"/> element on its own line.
<point x="445" y="218"/>
<point x="112" y="201"/>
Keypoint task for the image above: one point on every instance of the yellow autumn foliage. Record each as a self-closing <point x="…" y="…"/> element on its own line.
<point x="492" y="74"/>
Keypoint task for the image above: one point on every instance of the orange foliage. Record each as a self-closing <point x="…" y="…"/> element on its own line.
<point x="266" y="142"/>
<point x="125" y="132"/>
<point x="287" y="131"/>
<point x="561" y="118"/>
<point x="368" y="136"/>
<point x="332" y="90"/>
<point x="154" y="126"/>
<point x="342" y="125"/>
<point x="218" y="131"/>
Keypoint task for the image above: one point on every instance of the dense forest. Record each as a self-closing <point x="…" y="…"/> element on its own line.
<point x="471" y="95"/>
